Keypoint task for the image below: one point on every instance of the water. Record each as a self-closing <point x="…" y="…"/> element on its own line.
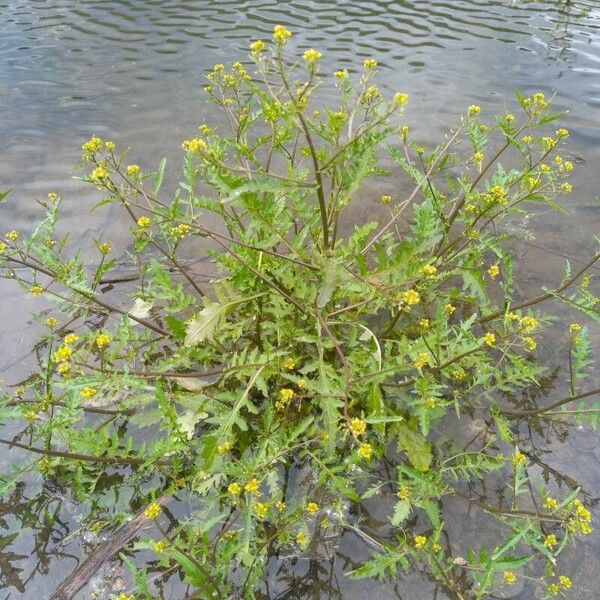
<point x="132" y="71"/>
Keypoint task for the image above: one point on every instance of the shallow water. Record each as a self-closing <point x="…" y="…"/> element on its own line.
<point x="131" y="71"/>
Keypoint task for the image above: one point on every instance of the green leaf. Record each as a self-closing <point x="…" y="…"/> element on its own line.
<point x="417" y="448"/>
<point x="401" y="511"/>
<point x="158" y="177"/>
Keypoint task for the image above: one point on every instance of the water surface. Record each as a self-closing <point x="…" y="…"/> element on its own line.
<point x="131" y="71"/>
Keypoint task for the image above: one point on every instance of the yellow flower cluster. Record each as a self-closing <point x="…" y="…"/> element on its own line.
<point x="51" y="322"/>
<point x="224" y="448"/>
<point x="289" y="363"/>
<point x="493" y="271"/>
<point x="369" y="63"/>
<point x="160" y="546"/>
<point x="551" y="503"/>
<point x="152" y="511"/>
<point x="449" y="309"/>
<point x="529" y="343"/>
<point x="53" y="197"/>
<point x="102" y="341"/>
<point x="517" y="458"/>
<point x="400" y="99"/>
<point x="133" y="170"/>
<point x="528" y="324"/>
<point x="385" y="199"/>
<point x="550" y="541"/>
<point x="285" y="395"/>
<point x="420" y="541"/>
<point x="580" y="521"/>
<point x="143" y="222"/>
<point x="489" y="339"/>
<point x="301" y="539"/>
<point x="260" y="509"/>
<point x="36" y="290"/>
<point x="539" y="102"/>
<point x="252" y="486"/>
<point x="195" y="145"/>
<point x="370" y="94"/>
<point x="91" y="147"/>
<point x="104" y="248"/>
<point x="421" y="360"/>
<point x="509" y="577"/>
<point x="87" y="393"/>
<point x="429" y="270"/>
<point x="281" y="34"/>
<point x="365" y="451"/>
<point x="63" y="354"/>
<point x="312" y="508"/>
<point x="478" y="157"/>
<point x="357" y="427"/>
<point x="411" y="297"/>
<point x="473" y="110"/>
<point x="180" y="231"/>
<point x="496" y="195"/>
<point x="257" y="46"/>
<point x="312" y="56"/>
<point x="99" y="174"/>
<point x="403" y="493"/>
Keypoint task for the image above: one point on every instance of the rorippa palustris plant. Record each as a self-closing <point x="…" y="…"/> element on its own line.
<point x="314" y="350"/>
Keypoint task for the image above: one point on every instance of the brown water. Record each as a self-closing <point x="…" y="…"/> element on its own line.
<point x="131" y="71"/>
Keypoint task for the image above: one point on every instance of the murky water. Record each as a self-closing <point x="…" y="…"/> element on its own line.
<point x="131" y="71"/>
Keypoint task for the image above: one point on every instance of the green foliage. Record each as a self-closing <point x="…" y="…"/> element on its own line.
<point x="344" y="355"/>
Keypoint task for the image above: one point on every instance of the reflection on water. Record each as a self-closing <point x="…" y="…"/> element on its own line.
<point x="131" y="71"/>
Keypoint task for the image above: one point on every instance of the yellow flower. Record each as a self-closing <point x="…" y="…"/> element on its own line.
<point x="143" y="222"/>
<point x="562" y="132"/>
<point x="550" y="503"/>
<point x="152" y="511"/>
<point x="565" y="582"/>
<point x="91" y="147"/>
<point x="411" y="297"/>
<point x="257" y="46"/>
<point x="370" y="94"/>
<point x="234" y="488"/>
<point x="548" y="143"/>
<point x="365" y="451"/>
<point x="567" y="166"/>
<point x="63" y="354"/>
<point x="528" y="324"/>
<point x="517" y="458"/>
<point x="99" y="174"/>
<point x="312" y="508"/>
<point x="110" y="146"/>
<point x="53" y="197"/>
<point x="70" y="339"/>
<point x="30" y="415"/>
<point x="424" y="323"/>
<point x="526" y="139"/>
<point x="544" y="168"/>
<point x="252" y="486"/>
<point x="285" y="395"/>
<point x="385" y="199"/>
<point x="194" y="145"/>
<point x="509" y="577"/>
<point x="123" y="596"/>
<point x="280" y="506"/>
<point x="281" y="34"/>
<point x="420" y="541"/>
<point x="301" y="383"/>
<point x="63" y="369"/>
<point x="180" y="230"/>
<point x="369" y="63"/>
<point x="436" y="547"/>
<point x="87" y="393"/>
<point x="51" y="322"/>
<point x="430" y="402"/>
<point x="102" y="341"/>
<point x="510" y="117"/>
<point x="133" y="170"/>
<point x="400" y="99"/>
<point x="301" y="539"/>
<point x="357" y="427"/>
<point x="404" y="132"/>
<point x="473" y="110"/>
<point x="341" y="74"/>
<point x="104" y="248"/>
<point x="574" y="328"/>
<point x="311" y="56"/>
<point x="429" y="270"/>
<point x="550" y="541"/>
<point x="403" y="493"/>
<point x="493" y="271"/>
<point x="449" y="309"/>
<point x="160" y="546"/>
<point x="529" y="343"/>
<point x="478" y="157"/>
<point x="489" y="339"/>
<point x="421" y="360"/>
<point x="2" y="247"/>
<point x="566" y="188"/>
<point x="224" y="448"/>
<point x="458" y="374"/>
<point x="260" y="509"/>
<point x="12" y="236"/>
<point x="36" y="290"/>
<point x="553" y="589"/>
<point x="289" y="363"/>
